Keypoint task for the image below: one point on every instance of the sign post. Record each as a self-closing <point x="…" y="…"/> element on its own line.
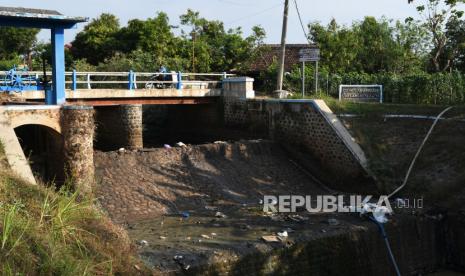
<point x="303" y="79"/>
<point x="311" y="55"/>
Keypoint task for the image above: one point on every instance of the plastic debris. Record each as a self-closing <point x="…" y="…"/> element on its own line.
<point x="185" y="214"/>
<point x="220" y="215"/>
<point x="166" y="146"/>
<point x="162" y="238"/>
<point x="143" y="243"/>
<point x="122" y="150"/>
<point x="220" y="142"/>
<point x="283" y="234"/>
<point x="207" y="237"/>
<point x="181" y="145"/>
<point x="178" y="257"/>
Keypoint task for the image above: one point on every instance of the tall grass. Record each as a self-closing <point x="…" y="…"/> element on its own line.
<point x="44" y="232"/>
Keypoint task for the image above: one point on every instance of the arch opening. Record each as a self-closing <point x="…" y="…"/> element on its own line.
<point x="43" y="147"/>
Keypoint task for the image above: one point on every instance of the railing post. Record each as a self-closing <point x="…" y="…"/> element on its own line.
<point x="135" y="81"/>
<point x="74" y="85"/>
<point x="179" y="84"/>
<point x="88" y="82"/>
<point x="225" y="76"/>
<point x="131" y="80"/>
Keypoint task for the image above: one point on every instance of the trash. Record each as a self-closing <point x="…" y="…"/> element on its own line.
<point x="220" y="142"/>
<point x="323" y="231"/>
<point x="121" y="150"/>
<point x="211" y="208"/>
<point x="178" y="257"/>
<point x="283" y="234"/>
<point x="181" y="145"/>
<point x="186" y="267"/>
<point x="166" y="146"/>
<point x="298" y="218"/>
<point x="270" y="239"/>
<point x="213" y="234"/>
<point x="185" y="214"/>
<point x="143" y="243"/>
<point x="162" y="238"/>
<point x="220" y="215"/>
<point x="137" y="267"/>
<point x="207" y="237"/>
<point x="333" y="222"/>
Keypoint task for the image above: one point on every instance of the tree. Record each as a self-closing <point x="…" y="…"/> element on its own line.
<point x="97" y="41"/>
<point x="153" y="36"/>
<point x="16" y="44"/>
<point x="437" y="16"/>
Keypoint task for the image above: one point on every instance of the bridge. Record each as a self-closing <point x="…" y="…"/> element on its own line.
<point x="115" y="88"/>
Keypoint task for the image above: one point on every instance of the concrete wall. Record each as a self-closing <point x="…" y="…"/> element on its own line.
<point x="311" y="134"/>
<point x="119" y="127"/>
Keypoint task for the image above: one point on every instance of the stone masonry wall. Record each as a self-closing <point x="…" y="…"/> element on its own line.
<point x="119" y="127"/>
<point x="78" y="135"/>
<point x="309" y="137"/>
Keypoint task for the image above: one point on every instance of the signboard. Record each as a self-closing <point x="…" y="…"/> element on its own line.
<point x="309" y="54"/>
<point x="361" y="93"/>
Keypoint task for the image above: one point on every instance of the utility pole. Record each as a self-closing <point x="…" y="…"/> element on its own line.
<point x="282" y="57"/>
<point x="193" y="50"/>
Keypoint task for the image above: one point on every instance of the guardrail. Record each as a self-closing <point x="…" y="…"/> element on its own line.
<point x="137" y="80"/>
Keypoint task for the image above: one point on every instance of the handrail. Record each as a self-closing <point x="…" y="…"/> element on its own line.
<point x="132" y="79"/>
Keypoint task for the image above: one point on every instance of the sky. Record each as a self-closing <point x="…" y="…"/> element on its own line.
<point x="234" y="13"/>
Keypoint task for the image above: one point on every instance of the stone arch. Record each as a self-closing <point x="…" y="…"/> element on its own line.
<point x="23" y="119"/>
<point x="42" y="144"/>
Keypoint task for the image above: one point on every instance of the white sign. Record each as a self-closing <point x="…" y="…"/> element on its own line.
<point x="309" y="54"/>
<point x="361" y="93"/>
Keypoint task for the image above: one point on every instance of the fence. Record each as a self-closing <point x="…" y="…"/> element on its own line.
<point x="134" y="80"/>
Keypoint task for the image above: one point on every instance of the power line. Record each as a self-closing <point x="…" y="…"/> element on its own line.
<point x="301" y="22"/>
<point x="255" y="14"/>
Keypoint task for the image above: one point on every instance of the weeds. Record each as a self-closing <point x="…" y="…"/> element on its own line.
<point x="44" y="232"/>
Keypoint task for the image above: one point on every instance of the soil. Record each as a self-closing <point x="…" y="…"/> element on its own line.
<point x="155" y="182"/>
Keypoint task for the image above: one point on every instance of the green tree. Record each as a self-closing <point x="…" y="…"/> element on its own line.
<point x="437" y="16"/>
<point x="97" y="41"/>
<point x="16" y="44"/>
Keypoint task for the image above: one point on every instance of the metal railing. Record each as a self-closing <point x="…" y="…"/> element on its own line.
<point x="137" y="80"/>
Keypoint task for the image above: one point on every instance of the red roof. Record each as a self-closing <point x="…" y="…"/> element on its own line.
<point x="292" y="56"/>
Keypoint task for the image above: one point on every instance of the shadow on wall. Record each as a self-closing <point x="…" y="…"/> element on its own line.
<point x="43" y="147"/>
<point x="190" y="124"/>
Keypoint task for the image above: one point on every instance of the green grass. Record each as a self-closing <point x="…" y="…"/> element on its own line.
<point x="45" y="232"/>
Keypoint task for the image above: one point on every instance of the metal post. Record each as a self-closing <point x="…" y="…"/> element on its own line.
<point x="303" y="79"/>
<point x="179" y="84"/>
<point x="316" y="77"/>
<point x="225" y="76"/>
<point x="74" y="85"/>
<point x="135" y="80"/>
<point x="88" y="82"/>
<point x="282" y="55"/>
<point x="58" y="95"/>
<point x="130" y="80"/>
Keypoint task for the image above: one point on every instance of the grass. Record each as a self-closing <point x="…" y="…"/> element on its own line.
<point x="45" y="232"/>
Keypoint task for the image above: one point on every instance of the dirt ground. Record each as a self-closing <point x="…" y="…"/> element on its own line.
<point x="155" y="182"/>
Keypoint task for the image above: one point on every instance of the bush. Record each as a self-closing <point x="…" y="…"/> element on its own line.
<point x="412" y="88"/>
<point x="43" y="232"/>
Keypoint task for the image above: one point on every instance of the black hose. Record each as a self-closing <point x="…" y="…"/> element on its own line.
<point x="388" y="246"/>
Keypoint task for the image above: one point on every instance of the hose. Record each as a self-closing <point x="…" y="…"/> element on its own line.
<point x="412" y="164"/>
<point x="388" y="246"/>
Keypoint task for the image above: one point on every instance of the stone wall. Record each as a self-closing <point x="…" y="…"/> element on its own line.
<point x="78" y="137"/>
<point x="311" y="134"/>
<point x="119" y="127"/>
<point x="416" y="243"/>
